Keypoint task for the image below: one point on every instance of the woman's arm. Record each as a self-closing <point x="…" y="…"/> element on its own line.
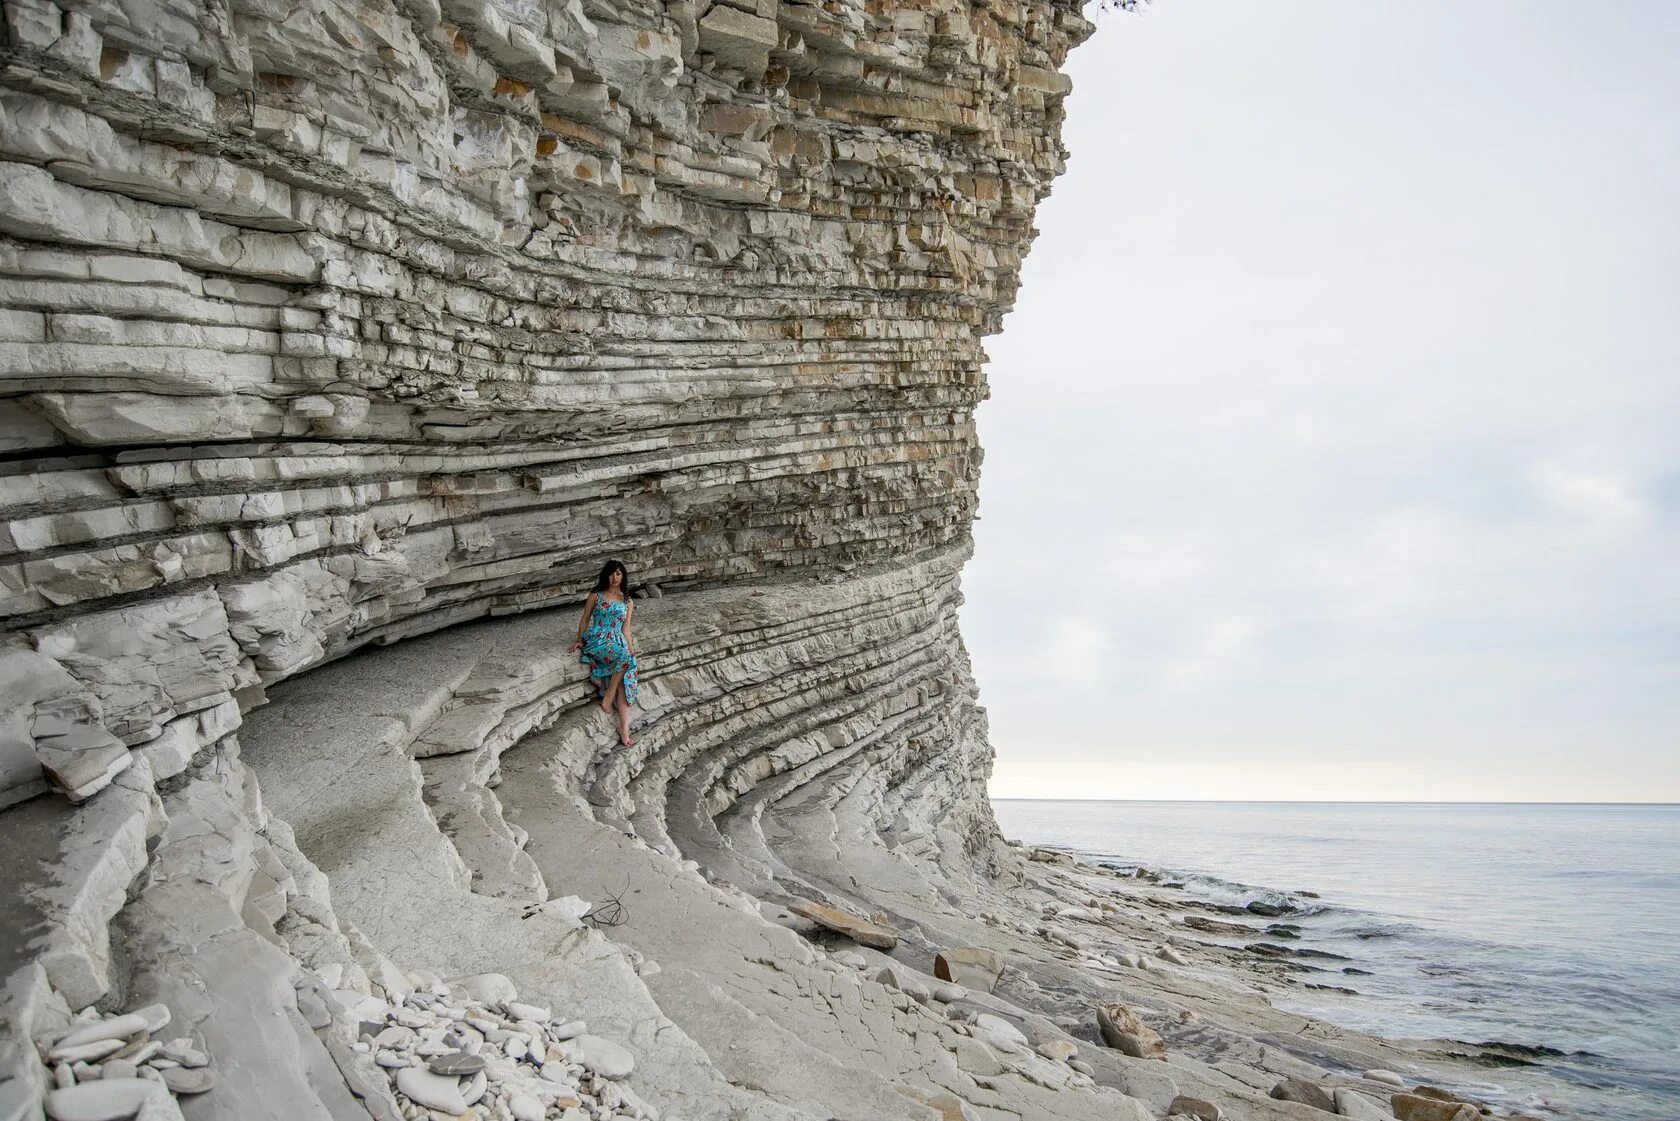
<point x="583" y="623"/>
<point x="629" y="614"/>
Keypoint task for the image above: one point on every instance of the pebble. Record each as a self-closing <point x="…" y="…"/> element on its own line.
<point x="1386" y="1077"/>
<point x="431" y="1090"/>
<point x="396" y="1037"/>
<point x="139" y="1052"/>
<point x="527" y="1011"/>
<point x="156" y="1016"/>
<point x="117" y="1027"/>
<point x="120" y="1068"/>
<point x="525" y="1108"/>
<point x="390" y="1060"/>
<point x="600" y="1055"/>
<point x="183" y="1052"/>
<point x="455" y="1063"/>
<point x="115" y="1099"/>
<point x="946" y="992"/>
<point x="571" y="1029"/>
<point x="189" y="1080"/>
<point x="85" y="1052"/>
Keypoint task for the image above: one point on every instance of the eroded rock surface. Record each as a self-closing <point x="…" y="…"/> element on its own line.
<point x="341" y="340"/>
<point x="331" y="325"/>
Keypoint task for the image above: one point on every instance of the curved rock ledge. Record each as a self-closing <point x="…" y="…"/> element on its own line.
<point x="338" y="341"/>
<point x="332" y="325"/>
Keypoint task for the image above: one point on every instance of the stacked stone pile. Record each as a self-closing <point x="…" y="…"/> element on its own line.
<point x="110" y="1068"/>
<point x="474" y="1049"/>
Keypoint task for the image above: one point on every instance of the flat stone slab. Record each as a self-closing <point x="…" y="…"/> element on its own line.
<point x="861" y="931"/>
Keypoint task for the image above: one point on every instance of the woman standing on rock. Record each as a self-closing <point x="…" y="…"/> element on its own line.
<point x="609" y="648"/>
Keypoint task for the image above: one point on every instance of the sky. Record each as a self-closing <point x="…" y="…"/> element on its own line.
<point x="1334" y="442"/>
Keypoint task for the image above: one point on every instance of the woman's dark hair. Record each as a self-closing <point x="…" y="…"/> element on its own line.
<point x="623" y="580"/>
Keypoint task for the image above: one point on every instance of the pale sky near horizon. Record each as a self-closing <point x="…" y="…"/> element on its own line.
<point x="1334" y="442"/>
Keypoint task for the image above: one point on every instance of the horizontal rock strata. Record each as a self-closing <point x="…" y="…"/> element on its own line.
<point x="326" y="326"/>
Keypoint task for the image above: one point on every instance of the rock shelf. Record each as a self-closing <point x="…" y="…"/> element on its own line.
<point x="340" y="342"/>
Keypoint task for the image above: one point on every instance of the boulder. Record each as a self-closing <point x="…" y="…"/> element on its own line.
<point x="1418" y="1107"/>
<point x="1387" y="1077"/>
<point x="1123" y="1030"/>
<point x="1183" y="1106"/>
<point x="973" y="967"/>
<point x="894" y="977"/>
<point x="1304" y="1092"/>
<point x="1351" y="1103"/>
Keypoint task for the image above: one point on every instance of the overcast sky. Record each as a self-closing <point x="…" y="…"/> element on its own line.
<point x="1334" y="443"/>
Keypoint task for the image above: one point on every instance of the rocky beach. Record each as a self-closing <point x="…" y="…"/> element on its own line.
<point x="340" y="343"/>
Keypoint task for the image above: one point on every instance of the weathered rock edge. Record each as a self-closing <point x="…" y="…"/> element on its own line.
<point x="336" y="324"/>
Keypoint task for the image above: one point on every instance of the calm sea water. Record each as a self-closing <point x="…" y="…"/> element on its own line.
<point x="1554" y="926"/>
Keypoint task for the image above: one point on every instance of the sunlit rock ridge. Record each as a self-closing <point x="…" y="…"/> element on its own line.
<point x="341" y="342"/>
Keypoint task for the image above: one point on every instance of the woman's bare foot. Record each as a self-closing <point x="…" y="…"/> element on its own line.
<point x="607" y="705"/>
<point x="626" y="739"/>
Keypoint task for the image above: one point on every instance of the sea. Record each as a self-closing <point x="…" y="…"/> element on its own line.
<point x="1554" y="929"/>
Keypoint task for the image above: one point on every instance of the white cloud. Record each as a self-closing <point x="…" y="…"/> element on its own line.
<point x="1596" y="496"/>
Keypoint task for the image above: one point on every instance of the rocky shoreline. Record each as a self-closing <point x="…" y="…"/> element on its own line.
<point x="1256" y="959"/>
<point x="342" y="342"/>
<point x="456" y="890"/>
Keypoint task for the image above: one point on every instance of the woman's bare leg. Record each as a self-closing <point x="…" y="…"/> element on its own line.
<point x="624" y="736"/>
<point x="613" y="688"/>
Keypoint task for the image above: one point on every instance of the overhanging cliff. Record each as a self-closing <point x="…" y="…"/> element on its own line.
<point x="333" y="324"/>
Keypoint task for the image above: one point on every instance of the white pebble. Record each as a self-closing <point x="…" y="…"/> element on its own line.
<point x="117" y="1027"/>
<point x="431" y="1090"/>
<point x="115" y="1100"/>
<point x="86" y="1052"/>
<point x="120" y="1068"/>
<point x="527" y="1011"/>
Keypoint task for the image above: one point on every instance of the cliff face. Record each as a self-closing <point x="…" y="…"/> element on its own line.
<point x="332" y="324"/>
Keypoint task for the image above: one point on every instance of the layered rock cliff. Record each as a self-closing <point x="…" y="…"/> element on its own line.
<point x="331" y="324"/>
<point x="340" y="342"/>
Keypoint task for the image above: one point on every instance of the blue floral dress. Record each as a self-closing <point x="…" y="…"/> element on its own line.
<point x="605" y="650"/>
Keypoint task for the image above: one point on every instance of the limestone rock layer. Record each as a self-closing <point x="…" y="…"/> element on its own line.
<point x="334" y="323"/>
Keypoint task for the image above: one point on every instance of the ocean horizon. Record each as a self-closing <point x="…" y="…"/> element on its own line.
<point x="1543" y="926"/>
